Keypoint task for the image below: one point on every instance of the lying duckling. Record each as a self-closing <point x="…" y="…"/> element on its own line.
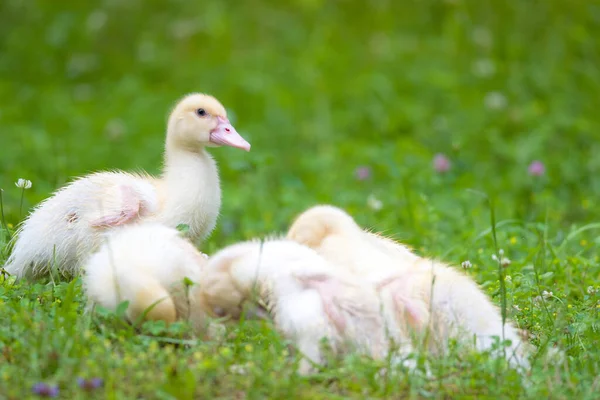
<point x="307" y="297"/>
<point x="66" y="228"/>
<point x="425" y="294"/>
<point x="147" y="265"/>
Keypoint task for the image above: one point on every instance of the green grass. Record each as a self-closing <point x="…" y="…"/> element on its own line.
<point x="319" y="88"/>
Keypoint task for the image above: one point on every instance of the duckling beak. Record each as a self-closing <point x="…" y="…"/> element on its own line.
<point x="226" y="135"/>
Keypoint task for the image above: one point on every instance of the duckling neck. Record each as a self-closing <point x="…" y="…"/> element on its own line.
<point x="191" y="190"/>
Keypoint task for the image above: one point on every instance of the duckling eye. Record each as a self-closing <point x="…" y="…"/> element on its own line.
<point x="219" y="311"/>
<point x="201" y="112"/>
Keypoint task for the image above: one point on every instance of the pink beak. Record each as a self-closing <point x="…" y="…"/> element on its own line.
<point x="226" y="135"/>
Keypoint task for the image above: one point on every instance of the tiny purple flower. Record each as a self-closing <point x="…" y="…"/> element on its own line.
<point x="45" y="390"/>
<point x="441" y="163"/>
<point x="536" y="168"/>
<point x="90" y="384"/>
<point x="362" y="173"/>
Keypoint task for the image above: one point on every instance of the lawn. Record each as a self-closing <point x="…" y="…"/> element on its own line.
<point x="344" y="102"/>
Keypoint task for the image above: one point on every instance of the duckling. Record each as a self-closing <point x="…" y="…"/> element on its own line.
<point x="66" y="227"/>
<point x="308" y="299"/>
<point x="427" y="295"/>
<point x="147" y="265"/>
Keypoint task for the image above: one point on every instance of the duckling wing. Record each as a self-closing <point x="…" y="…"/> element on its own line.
<point x="342" y="302"/>
<point x="122" y="205"/>
<point x="407" y="297"/>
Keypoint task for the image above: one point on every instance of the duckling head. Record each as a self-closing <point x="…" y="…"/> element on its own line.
<point x="221" y="294"/>
<point x="198" y="121"/>
<point x="312" y="226"/>
<point x="231" y="285"/>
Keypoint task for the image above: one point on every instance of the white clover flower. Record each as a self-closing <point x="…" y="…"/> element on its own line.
<point x="483" y="68"/>
<point x="592" y="290"/>
<point x="114" y="128"/>
<point x="495" y="101"/>
<point x="482" y="37"/>
<point x="182" y="29"/>
<point x="466" y="264"/>
<point x="546" y="294"/>
<point x="146" y="52"/>
<point x="23" y="184"/>
<point x="238" y="369"/>
<point x="374" y="203"/>
<point x="504" y="261"/>
<point x="96" y="20"/>
<point x="440" y="123"/>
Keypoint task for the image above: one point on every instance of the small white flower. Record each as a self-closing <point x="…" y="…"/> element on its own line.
<point x="146" y="52"/>
<point x="504" y="261"/>
<point x="23" y="183"/>
<point x="482" y="37"/>
<point x="79" y="64"/>
<point x="114" y="128"/>
<point x="182" y="29"/>
<point x="508" y="278"/>
<point x="483" y="68"/>
<point x="238" y="369"/>
<point x="380" y="44"/>
<point x="495" y="101"/>
<point x="592" y="290"/>
<point x="547" y="294"/>
<point x="83" y="92"/>
<point x="96" y="20"/>
<point x="466" y="264"/>
<point x="440" y="123"/>
<point x="374" y="203"/>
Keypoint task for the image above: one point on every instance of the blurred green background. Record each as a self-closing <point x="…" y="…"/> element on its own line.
<point x="323" y="88"/>
<point x="319" y="88"/>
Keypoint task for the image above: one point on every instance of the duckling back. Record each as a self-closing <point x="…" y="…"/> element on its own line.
<point x="60" y="232"/>
<point x="308" y="298"/>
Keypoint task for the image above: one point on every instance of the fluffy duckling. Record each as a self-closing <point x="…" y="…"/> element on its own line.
<point x="66" y="227"/>
<point x="308" y="298"/>
<point x="147" y="265"/>
<point x="424" y="293"/>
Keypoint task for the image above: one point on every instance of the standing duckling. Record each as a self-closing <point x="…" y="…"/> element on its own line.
<point x="67" y="227"/>
<point x="425" y="294"/>
<point x="147" y="265"/>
